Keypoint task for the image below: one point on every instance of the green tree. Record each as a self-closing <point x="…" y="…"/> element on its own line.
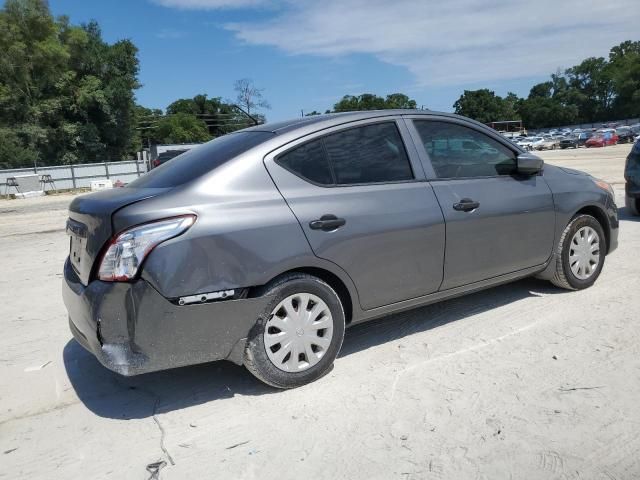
<point x="65" y="94"/>
<point x="399" y="100"/>
<point x="624" y="61"/>
<point x="592" y="81"/>
<point x="220" y="117"/>
<point x="181" y="128"/>
<point x="485" y="106"/>
<point x="550" y="103"/>
<point x="370" y="101"/>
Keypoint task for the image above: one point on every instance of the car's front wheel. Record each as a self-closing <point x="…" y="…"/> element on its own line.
<point x="580" y="253"/>
<point x="299" y="334"/>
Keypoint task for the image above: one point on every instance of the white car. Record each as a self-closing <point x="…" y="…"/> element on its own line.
<point x="537" y="143"/>
<point x="526" y="143"/>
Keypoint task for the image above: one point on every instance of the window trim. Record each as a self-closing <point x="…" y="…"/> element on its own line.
<point x="426" y="158"/>
<point x="321" y="135"/>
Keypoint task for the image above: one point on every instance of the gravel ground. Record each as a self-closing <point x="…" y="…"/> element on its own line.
<point x="520" y="381"/>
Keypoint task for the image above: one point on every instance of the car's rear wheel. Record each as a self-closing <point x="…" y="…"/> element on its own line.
<point x="633" y="205"/>
<point x="580" y="253"/>
<point x="299" y="334"/>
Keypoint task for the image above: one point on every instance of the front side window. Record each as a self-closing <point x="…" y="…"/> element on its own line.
<point x="369" y="154"/>
<point x="460" y="152"/>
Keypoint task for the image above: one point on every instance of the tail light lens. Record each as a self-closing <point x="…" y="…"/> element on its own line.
<point x="128" y="250"/>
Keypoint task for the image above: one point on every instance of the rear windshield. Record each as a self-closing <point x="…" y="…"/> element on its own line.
<point x="200" y="160"/>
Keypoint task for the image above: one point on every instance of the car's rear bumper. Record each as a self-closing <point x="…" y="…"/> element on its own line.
<point x="132" y="329"/>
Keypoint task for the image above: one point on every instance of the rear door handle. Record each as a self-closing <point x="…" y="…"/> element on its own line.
<point x="466" y="205"/>
<point x="327" y="223"/>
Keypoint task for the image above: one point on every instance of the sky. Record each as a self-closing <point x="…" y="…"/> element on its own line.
<point x="307" y="54"/>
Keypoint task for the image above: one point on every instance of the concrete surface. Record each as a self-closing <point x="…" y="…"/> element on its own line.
<point x="520" y="381"/>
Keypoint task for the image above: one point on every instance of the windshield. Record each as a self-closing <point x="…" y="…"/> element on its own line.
<point x="200" y="160"/>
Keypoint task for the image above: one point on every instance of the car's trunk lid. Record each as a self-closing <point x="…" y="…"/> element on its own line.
<point x="90" y="226"/>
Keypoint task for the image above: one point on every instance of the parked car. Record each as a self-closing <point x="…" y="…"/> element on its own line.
<point x="166" y="156"/>
<point x="261" y="246"/>
<point x="546" y="143"/>
<point x="625" y="135"/>
<point x="526" y="143"/>
<point x="632" y="180"/>
<point x="574" y="141"/>
<point x="601" y="139"/>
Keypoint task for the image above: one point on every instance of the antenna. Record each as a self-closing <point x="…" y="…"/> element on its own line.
<point x="255" y="122"/>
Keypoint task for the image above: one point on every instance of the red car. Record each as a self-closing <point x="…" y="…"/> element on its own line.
<point x="602" y="140"/>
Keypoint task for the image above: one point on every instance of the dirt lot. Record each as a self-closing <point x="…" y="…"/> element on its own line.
<point x="520" y="381"/>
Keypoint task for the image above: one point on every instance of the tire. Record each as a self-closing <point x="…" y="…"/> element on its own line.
<point x="633" y="205"/>
<point x="564" y="276"/>
<point x="292" y="289"/>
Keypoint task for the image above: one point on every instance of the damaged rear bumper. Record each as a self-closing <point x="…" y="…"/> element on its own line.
<point x="132" y="329"/>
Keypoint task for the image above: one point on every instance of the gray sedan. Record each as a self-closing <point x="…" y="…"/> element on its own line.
<point x="262" y="246"/>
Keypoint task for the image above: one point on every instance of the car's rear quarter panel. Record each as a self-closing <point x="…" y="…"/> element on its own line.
<point x="245" y="234"/>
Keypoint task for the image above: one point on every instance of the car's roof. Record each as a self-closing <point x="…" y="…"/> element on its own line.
<point x="330" y="119"/>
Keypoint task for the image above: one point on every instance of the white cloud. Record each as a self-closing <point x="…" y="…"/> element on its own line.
<point x="209" y="4"/>
<point x="451" y="42"/>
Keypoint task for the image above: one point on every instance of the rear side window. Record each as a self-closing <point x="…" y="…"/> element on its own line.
<point x="200" y="160"/>
<point x="361" y="155"/>
<point x="309" y="162"/>
<point x="370" y="154"/>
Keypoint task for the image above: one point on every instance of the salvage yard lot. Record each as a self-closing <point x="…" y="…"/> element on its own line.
<point x="524" y="380"/>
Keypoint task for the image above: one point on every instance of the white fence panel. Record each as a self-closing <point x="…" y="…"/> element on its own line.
<point x="80" y="176"/>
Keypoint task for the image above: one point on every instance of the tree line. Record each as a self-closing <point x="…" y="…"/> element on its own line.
<point x="598" y="89"/>
<point x="67" y="96"/>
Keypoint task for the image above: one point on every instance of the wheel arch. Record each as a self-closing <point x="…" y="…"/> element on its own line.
<point x="599" y="214"/>
<point x="346" y="295"/>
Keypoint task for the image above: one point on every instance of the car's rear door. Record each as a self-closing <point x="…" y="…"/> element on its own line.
<point x="359" y="194"/>
<point x="497" y="222"/>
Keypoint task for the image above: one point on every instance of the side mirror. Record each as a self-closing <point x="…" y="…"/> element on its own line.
<point x="529" y="164"/>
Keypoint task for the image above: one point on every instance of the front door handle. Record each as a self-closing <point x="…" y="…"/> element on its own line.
<point x="327" y="223"/>
<point x="466" y="205"/>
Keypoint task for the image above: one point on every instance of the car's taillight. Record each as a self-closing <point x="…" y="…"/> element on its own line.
<point x="128" y="250"/>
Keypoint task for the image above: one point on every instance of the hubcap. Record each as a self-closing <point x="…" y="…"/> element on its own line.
<point x="584" y="253"/>
<point x="299" y="332"/>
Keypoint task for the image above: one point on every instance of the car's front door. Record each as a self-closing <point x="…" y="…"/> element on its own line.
<point x="497" y="222"/>
<point x="363" y="204"/>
